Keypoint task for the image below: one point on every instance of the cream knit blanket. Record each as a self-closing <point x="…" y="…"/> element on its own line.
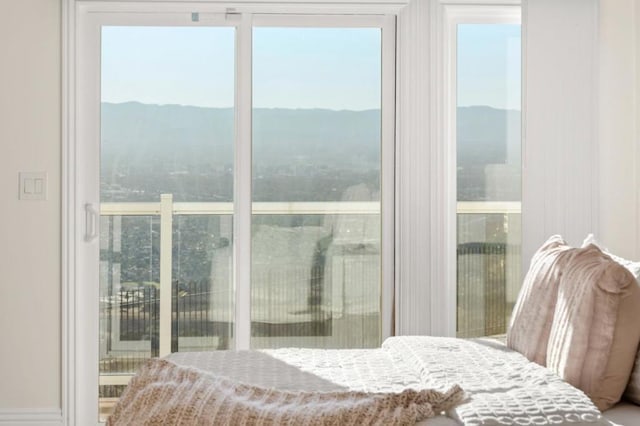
<point x="163" y="393"/>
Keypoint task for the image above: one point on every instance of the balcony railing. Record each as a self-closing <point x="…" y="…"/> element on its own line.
<point x="488" y="277"/>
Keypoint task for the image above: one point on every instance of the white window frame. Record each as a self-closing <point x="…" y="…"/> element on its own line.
<point x="451" y="14"/>
<point x="81" y="89"/>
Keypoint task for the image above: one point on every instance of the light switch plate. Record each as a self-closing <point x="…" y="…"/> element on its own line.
<point x="32" y="186"/>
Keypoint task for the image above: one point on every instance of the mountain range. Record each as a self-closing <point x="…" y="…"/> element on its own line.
<point x="141" y="141"/>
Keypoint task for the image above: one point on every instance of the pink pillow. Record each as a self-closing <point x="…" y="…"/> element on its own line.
<point x="533" y="312"/>
<point x="594" y="334"/>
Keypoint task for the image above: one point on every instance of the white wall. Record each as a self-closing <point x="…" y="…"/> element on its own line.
<point x="582" y="123"/>
<point x="417" y="161"/>
<point x="30" y="230"/>
<point x="560" y="181"/>
<point x="617" y="133"/>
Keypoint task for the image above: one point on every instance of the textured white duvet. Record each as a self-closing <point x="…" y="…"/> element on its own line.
<point x="504" y="388"/>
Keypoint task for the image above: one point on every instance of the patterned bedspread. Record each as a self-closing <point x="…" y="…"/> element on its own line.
<point x="503" y="387"/>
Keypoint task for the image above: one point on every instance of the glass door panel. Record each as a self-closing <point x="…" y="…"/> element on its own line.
<point x="316" y="222"/>
<point x="488" y="176"/>
<point x="166" y="190"/>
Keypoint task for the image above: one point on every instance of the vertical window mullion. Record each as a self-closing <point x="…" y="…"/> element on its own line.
<point x="242" y="186"/>
<point x="388" y="175"/>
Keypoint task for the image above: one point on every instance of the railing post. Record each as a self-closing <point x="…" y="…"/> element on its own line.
<point x="166" y="249"/>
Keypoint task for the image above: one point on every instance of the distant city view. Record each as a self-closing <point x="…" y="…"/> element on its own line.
<point x="148" y="150"/>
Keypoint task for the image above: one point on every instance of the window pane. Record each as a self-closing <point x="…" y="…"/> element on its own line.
<point x="316" y="187"/>
<point x="129" y="298"/>
<point x="203" y="297"/>
<point x="488" y="176"/>
<point x="167" y="133"/>
<point x="167" y="113"/>
<point x="129" y="270"/>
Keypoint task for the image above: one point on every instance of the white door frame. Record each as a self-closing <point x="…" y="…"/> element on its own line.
<point x="81" y="114"/>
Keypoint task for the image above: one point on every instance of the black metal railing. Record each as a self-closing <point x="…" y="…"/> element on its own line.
<point x="483" y="308"/>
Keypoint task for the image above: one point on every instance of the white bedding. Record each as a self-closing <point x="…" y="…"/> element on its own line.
<point x="503" y="386"/>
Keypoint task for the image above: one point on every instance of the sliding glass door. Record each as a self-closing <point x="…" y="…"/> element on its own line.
<point x="238" y="182"/>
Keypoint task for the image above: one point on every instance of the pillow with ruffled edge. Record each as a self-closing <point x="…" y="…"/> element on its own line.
<point x="632" y="393"/>
<point x="633" y="267"/>
<point x="532" y="315"/>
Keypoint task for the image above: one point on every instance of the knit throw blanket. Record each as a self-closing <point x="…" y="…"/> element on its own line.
<point x="163" y="393"/>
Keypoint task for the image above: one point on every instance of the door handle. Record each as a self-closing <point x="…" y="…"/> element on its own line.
<point x="91" y="222"/>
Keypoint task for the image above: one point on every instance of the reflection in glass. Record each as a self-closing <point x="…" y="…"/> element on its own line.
<point x="316" y="280"/>
<point x="129" y="276"/>
<point x="202" y="282"/>
<point x="315" y="273"/>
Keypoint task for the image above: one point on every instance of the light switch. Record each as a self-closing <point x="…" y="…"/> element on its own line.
<point x="32" y="186"/>
<point x="38" y="187"/>
<point x="28" y="186"/>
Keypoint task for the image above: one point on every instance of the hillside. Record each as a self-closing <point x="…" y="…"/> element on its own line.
<point x="188" y="151"/>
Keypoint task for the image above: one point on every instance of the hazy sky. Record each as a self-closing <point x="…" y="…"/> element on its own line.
<point x="489" y="66"/>
<point x="331" y="68"/>
<point x="334" y="68"/>
<point x="168" y="65"/>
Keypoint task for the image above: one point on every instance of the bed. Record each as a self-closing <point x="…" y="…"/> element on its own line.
<point x="502" y="386"/>
<point x="575" y="321"/>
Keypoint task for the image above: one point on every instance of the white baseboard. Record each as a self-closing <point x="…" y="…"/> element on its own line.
<point x="31" y="417"/>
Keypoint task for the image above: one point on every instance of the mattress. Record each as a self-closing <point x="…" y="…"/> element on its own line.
<point x="503" y="387"/>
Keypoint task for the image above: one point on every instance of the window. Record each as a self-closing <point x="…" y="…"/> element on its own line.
<point x="316" y="222"/>
<point x="485" y="121"/>
<point x="166" y="149"/>
<point x="243" y="183"/>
